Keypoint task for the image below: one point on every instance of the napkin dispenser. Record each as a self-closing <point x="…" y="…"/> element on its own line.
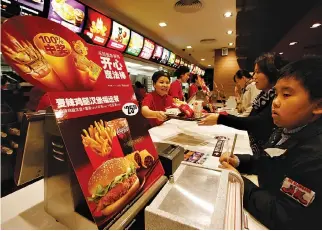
<point x="170" y="156"/>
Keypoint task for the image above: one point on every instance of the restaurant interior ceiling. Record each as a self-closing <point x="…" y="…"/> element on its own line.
<point x="183" y="29"/>
<point x="271" y="25"/>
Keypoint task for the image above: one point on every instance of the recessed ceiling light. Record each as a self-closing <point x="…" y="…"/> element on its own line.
<point x="281" y="53"/>
<point x="315" y="25"/>
<point x="202" y="59"/>
<point x="228" y="14"/>
<point x="189" y="47"/>
<point x="229" y="32"/>
<point x="209" y="65"/>
<point x="162" y="24"/>
<point x="293" y="43"/>
<point x="230" y="44"/>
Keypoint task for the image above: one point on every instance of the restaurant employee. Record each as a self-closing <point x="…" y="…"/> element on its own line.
<point x="182" y="74"/>
<point x="154" y="104"/>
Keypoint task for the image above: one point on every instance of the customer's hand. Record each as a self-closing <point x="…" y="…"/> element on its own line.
<point x="160" y="115"/>
<point x="225" y="165"/>
<point x="209" y="120"/>
<point x="232" y="160"/>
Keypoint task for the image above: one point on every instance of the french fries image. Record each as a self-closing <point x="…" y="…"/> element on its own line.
<point x="99" y="138"/>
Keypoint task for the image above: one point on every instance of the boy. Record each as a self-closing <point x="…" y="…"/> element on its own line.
<point x="289" y="172"/>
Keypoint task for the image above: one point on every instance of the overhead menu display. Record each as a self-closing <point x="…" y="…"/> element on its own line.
<point x="120" y="37"/>
<point x="31" y="7"/>
<point x="165" y="56"/>
<point x="9" y="8"/>
<point x="68" y="13"/>
<point x="171" y="59"/>
<point x="148" y="49"/>
<point x="177" y="61"/>
<point x="136" y="43"/>
<point x="98" y="27"/>
<point x="157" y="53"/>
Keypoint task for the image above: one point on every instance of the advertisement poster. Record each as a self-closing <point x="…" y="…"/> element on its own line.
<point x="120" y="37"/>
<point x="98" y="27"/>
<point x="177" y="62"/>
<point x="113" y="156"/>
<point x="136" y="43"/>
<point x="171" y="59"/>
<point x="68" y="13"/>
<point x="147" y="50"/>
<point x="165" y="56"/>
<point x="157" y="54"/>
<point x="59" y="60"/>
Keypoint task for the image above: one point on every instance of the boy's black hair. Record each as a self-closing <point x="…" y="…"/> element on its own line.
<point x="240" y="73"/>
<point x="181" y="71"/>
<point x="270" y="64"/>
<point x="194" y="78"/>
<point x="308" y="71"/>
<point x="157" y="75"/>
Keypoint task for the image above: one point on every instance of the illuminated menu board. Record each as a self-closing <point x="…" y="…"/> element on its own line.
<point x="148" y="49"/>
<point x="177" y="61"/>
<point x="68" y="13"/>
<point x="31" y="7"/>
<point x="191" y="67"/>
<point x="157" y="54"/>
<point x="119" y="38"/>
<point x="9" y="8"/>
<point x="98" y="27"/>
<point x="181" y="62"/>
<point x="165" y="56"/>
<point x="136" y="43"/>
<point x="171" y="59"/>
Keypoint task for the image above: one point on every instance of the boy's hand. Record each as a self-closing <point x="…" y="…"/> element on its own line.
<point x="209" y="120"/>
<point x="232" y="160"/>
<point x="225" y="165"/>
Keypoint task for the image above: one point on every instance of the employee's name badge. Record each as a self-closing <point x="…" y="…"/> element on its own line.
<point x="297" y="191"/>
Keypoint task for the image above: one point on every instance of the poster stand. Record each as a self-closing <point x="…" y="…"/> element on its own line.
<point x="64" y="199"/>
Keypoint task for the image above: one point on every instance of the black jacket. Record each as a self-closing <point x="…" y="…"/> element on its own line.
<point x="302" y="162"/>
<point x="259" y="125"/>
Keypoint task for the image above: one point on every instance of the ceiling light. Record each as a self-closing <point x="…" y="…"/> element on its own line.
<point x="202" y="59"/>
<point x="315" y="25"/>
<point x="230" y="44"/>
<point x="293" y="43"/>
<point x="162" y="24"/>
<point x="228" y="14"/>
<point x="229" y="32"/>
<point x="281" y="53"/>
<point x="189" y="47"/>
<point x="209" y="65"/>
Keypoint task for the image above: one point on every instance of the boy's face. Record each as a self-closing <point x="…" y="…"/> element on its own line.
<point x="292" y="106"/>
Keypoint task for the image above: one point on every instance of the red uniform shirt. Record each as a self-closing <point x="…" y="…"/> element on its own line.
<point x="193" y="90"/>
<point x="155" y="102"/>
<point x="176" y="90"/>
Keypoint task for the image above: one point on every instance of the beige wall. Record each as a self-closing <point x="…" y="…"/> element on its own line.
<point x="224" y="69"/>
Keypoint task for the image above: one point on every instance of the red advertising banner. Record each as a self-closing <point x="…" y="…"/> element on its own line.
<point x="111" y="151"/>
<point x="57" y="59"/>
<point x="98" y="27"/>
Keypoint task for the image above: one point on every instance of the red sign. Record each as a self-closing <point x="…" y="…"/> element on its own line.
<point x="98" y="27"/>
<point x="112" y="154"/>
<point x="58" y="59"/>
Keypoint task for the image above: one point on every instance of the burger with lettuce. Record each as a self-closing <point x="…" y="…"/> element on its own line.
<point x="112" y="185"/>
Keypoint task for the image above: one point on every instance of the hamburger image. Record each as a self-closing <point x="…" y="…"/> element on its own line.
<point x="112" y="185"/>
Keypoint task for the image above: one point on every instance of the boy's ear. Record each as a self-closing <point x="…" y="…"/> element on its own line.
<point x="318" y="108"/>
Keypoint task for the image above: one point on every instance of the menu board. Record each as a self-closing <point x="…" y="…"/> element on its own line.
<point x="31" y="7"/>
<point x="120" y="37"/>
<point x="148" y="49"/>
<point x="68" y="13"/>
<point x="98" y="27"/>
<point x="165" y="56"/>
<point x="136" y="43"/>
<point x="172" y="59"/>
<point x="177" y="61"/>
<point x="181" y="62"/>
<point x="9" y="8"/>
<point x="157" y="53"/>
<point x="191" y="67"/>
